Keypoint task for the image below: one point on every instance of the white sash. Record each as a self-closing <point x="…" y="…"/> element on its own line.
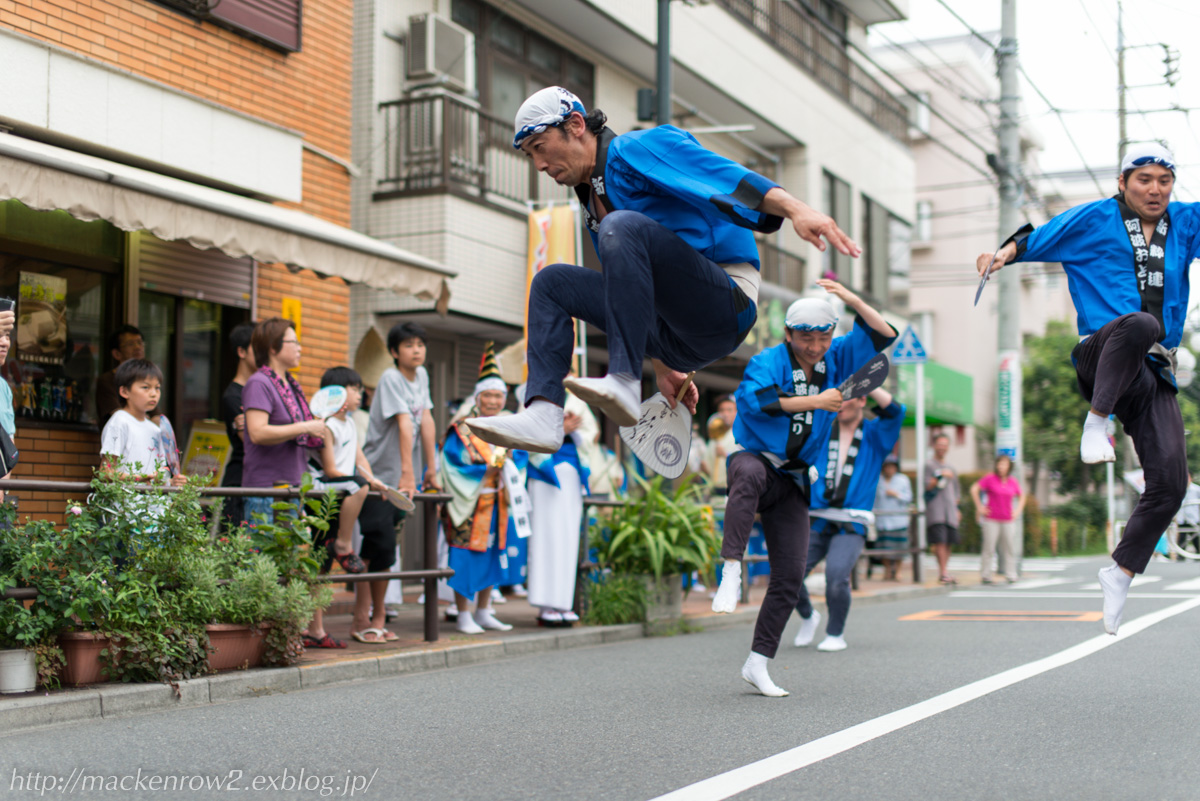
<point x="518" y="499"/>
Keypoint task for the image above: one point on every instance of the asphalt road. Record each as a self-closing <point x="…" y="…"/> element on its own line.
<point x="887" y="718"/>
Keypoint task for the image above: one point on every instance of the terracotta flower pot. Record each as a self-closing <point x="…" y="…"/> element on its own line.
<point x="233" y="646"/>
<point x="82" y="651"/>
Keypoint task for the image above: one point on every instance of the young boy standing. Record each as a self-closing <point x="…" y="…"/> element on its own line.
<point x="131" y="442"/>
<point x="345" y="467"/>
<point x="400" y="439"/>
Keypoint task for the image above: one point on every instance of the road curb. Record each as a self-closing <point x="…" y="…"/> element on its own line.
<point x="36" y="711"/>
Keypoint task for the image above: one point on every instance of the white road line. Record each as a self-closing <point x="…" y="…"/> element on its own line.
<point x="1191" y="585"/>
<point x="741" y="779"/>
<point x="1035" y="584"/>
<point x="1013" y="595"/>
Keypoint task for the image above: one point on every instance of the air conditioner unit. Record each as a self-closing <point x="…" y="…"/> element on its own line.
<point x="440" y="52"/>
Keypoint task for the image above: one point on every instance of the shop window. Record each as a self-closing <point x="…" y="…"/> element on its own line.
<point x="58" y="348"/>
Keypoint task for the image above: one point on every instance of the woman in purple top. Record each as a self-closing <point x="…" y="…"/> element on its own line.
<point x="280" y="430"/>
<point x="1005" y="504"/>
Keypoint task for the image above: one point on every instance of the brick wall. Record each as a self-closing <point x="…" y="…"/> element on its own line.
<point x="54" y="455"/>
<point x="308" y="91"/>
<point x="324" y="318"/>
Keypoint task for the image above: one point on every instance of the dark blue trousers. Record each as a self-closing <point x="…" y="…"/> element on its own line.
<point x="840" y="551"/>
<point x="656" y="297"/>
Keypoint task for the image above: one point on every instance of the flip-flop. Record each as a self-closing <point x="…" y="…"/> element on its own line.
<point x="380" y="634"/>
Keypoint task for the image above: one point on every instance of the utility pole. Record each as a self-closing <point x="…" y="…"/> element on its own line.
<point x="1122" y="137"/>
<point x="1008" y="385"/>
<point x="663" y="63"/>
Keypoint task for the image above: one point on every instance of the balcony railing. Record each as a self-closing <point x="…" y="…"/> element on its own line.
<point x="781" y="267"/>
<point x="443" y="143"/>
<point x="803" y="40"/>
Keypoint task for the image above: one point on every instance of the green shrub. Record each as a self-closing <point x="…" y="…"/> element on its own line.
<point x="613" y="599"/>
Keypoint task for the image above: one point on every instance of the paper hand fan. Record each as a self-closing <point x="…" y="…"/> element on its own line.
<point x="662" y="436"/>
<point x="170" y="444"/>
<point x="868" y="378"/>
<point x="327" y="401"/>
<point x="399" y="500"/>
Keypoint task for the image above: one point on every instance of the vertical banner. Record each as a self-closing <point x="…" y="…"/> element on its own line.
<point x="1008" y="406"/>
<point x="551" y="241"/>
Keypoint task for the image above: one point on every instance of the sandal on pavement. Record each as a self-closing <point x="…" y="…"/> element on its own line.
<point x="370" y="636"/>
<point x="948" y="580"/>
<point x="325" y="642"/>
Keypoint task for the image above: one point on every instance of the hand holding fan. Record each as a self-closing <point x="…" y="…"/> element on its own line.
<point x="398" y="499"/>
<point x="662" y="436"/>
<point x="868" y="378"/>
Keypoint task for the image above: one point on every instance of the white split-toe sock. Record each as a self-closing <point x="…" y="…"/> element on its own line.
<point x="755" y="672"/>
<point x="726" y="598"/>
<point x="808" y="630"/>
<point x="1115" y="583"/>
<point x="618" y="395"/>
<point x="487" y="620"/>
<point x="538" y="428"/>
<point x="569" y="617"/>
<point x="831" y="643"/>
<point x="1094" y="446"/>
<point x="466" y="624"/>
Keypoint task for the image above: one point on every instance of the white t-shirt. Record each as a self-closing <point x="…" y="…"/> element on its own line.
<point x="137" y="443"/>
<point x="345" y="445"/>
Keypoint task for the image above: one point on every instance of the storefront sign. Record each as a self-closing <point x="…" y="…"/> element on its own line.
<point x="207" y="451"/>
<point x="42" y="334"/>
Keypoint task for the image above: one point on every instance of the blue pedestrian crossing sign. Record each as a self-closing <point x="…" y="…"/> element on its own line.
<point x="909" y="349"/>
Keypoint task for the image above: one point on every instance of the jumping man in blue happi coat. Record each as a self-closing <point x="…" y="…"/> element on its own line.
<point x="674" y="227"/>
<point x="1127" y="261"/>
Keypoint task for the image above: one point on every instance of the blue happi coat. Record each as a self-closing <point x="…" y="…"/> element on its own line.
<point x="763" y="427"/>
<point x="879" y="437"/>
<point x="709" y="201"/>
<point x="1096" y="252"/>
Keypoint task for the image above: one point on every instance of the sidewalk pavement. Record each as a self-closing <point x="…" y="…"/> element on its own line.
<point x="407" y="654"/>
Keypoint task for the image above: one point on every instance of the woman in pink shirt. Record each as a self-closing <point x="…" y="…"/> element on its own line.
<point x="1005" y="503"/>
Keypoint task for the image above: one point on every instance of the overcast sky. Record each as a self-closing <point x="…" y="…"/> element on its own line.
<point x="1068" y="48"/>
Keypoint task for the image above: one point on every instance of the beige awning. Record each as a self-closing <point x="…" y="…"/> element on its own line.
<point x="45" y="177"/>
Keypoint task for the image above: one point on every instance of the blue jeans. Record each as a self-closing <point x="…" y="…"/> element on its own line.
<point x="840" y="551"/>
<point x="262" y="506"/>
<point x="656" y="297"/>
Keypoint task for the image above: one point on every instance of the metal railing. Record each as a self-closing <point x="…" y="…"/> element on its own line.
<point x="429" y="575"/>
<point x="441" y="142"/>
<point x="781" y="267"/>
<point x="807" y="44"/>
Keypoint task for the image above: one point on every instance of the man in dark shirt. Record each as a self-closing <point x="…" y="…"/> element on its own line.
<point x="124" y="344"/>
<point x="235" y="418"/>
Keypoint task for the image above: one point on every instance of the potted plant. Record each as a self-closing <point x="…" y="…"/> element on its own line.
<point x="657" y="535"/>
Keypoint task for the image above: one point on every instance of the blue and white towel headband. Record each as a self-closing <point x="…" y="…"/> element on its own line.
<point x="544" y="109"/>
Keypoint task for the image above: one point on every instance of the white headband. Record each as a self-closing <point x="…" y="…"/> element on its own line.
<point x="1143" y="153"/>
<point x="811" y="314"/>
<point x="491" y="382"/>
<point x="545" y="109"/>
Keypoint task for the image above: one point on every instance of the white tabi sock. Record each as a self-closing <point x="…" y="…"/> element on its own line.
<point x="618" y="395"/>
<point x="485" y="618"/>
<point x="726" y="598"/>
<point x="808" y="629"/>
<point x="830" y="643"/>
<point x="1094" y="446"/>
<point x="466" y="624"/>
<point x="755" y="672"/>
<point x="1115" y="583"/>
<point x="538" y="428"/>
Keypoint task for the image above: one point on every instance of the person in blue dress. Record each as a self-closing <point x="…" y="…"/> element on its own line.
<point x="786" y="403"/>
<point x="842" y="508"/>
<point x="674" y="225"/>
<point x="487" y="516"/>
<point x="1127" y="260"/>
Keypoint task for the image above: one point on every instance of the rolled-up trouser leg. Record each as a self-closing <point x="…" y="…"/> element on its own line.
<point x="1151" y="417"/>
<point x="748" y="479"/>
<point x="785" y="524"/>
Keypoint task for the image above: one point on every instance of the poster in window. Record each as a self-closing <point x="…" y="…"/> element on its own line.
<point x="207" y="452"/>
<point x="42" y="319"/>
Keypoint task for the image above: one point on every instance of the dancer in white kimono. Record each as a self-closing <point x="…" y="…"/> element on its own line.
<point x="557" y="484"/>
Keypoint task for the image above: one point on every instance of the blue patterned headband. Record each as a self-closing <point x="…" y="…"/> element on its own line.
<point x="811" y="314"/>
<point x="1141" y="154"/>
<point x="544" y="109"/>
